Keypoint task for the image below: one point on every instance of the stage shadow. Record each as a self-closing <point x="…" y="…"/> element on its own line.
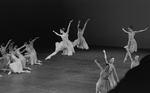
<point x="136" y="80"/>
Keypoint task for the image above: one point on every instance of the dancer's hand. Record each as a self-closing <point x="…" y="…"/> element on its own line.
<point x="104" y="51"/>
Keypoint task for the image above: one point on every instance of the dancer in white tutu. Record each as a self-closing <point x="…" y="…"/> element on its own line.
<point x="22" y="58"/>
<point x="15" y="64"/>
<point x="103" y="84"/>
<point x="80" y="42"/>
<point x="65" y="45"/>
<point x="132" y="44"/>
<point x="135" y="62"/>
<point x="113" y="76"/>
<point x="31" y="44"/>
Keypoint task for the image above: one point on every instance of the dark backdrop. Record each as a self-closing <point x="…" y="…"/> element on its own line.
<point x="24" y="19"/>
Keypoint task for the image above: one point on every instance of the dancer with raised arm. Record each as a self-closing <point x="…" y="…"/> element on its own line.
<point x="103" y="84"/>
<point x="80" y="42"/>
<point x="65" y="45"/>
<point x="132" y="44"/>
<point x="21" y="57"/>
<point x="16" y="65"/>
<point x="113" y="76"/>
<point x="135" y="62"/>
<point x="31" y="44"/>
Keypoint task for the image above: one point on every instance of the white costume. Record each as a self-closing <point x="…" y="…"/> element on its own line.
<point x="65" y="45"/>
<point x="132" y="44"/>
<point x="113" y="76"/>
<point x="80" y="41"/>
<point x="135" y="62"/>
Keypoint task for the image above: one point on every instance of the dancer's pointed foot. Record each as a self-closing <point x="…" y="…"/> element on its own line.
<point x="124" y="60"/>
<point x="47" y="57"/>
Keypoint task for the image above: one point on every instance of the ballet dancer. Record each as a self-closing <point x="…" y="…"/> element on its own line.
<point x="113" y="75"/>
<point x="21" y="57"/>
<point x="31" y="44"/>
<point x="16" y="65"/>
<point x="135" y="62"/>
<point x="80" y="42"/>
<point x="65" y="45"/>
<point x="132" y="44"/>
<point x="103" y="84"/>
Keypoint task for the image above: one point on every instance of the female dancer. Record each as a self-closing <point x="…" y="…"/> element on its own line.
<point x="113" y="75"/>
<point x="103" y="84"/>
<point x="33" y="49"/>
<point x="65" y="45"/>
<point x="30" y="56"/>
<point x="22" y="58"/>
<point x="135" y="62"/>
<point x="16" y="66"/>
<point x="132" y="44"/>
<point x="80" y="41"/>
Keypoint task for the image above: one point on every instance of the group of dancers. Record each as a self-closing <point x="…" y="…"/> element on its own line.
<point x="108" y="75"/>
<point x="15" y="59"/>
<point x="66" y="45"/>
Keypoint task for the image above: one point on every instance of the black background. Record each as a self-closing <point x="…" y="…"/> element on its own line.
<point x="21" y="20"/>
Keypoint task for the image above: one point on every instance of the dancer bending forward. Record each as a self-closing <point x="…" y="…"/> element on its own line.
<point x="65" y="45"/>
<point x="80" y="41"/>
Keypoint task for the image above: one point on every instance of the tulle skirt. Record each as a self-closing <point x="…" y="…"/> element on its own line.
<point x="132" y="45"/>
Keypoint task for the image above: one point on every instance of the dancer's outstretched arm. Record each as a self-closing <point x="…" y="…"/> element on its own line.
<point x="20" y="47"/>
<point x="85" y="25"/>
<point x="141" y="30"/>
<point x="7" y="43"/>
<point x="98" y="64"/>
<point x="57" y="33"/>
<point x="69" y="26"/>
<point x="125" y="30"/>
<point x="105" y="56"/>
<point x="31" y="42"/>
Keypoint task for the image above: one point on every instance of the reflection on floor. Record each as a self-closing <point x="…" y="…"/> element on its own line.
<point x="65" y="74"/>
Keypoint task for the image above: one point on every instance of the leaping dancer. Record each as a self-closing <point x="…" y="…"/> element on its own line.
<point x="80" y="41"/>
<point x="132" y="44"/>
<point x="65" y="45"/>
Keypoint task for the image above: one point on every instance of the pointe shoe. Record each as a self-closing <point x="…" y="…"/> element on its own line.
<point x="47" y="58"/>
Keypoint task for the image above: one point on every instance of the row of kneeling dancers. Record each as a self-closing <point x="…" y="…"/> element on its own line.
<point x="15" y="59"/>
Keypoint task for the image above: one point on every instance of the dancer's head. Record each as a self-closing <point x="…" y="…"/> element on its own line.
<point x="136" y="57"/>
<point x="130" y="28"/>
<point x="62" y="30"/>
<point x="106" y="67"/>
<point x="111" y="60"/>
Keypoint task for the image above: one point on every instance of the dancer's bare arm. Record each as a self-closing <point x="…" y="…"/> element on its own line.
<point x="69" y="26"/>
<point x="57" y="33"/>
<point x="124" y="30"/>
<point x="85" y="25"/>
<point x="98" y="64"/>
<point x="105" y="56"/>
<point x="141" y="30"/>
<point x="7" y="43"/>
<point x="33" y="40"/>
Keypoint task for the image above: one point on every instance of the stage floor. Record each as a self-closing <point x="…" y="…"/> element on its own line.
<point x="65" y="74"/>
